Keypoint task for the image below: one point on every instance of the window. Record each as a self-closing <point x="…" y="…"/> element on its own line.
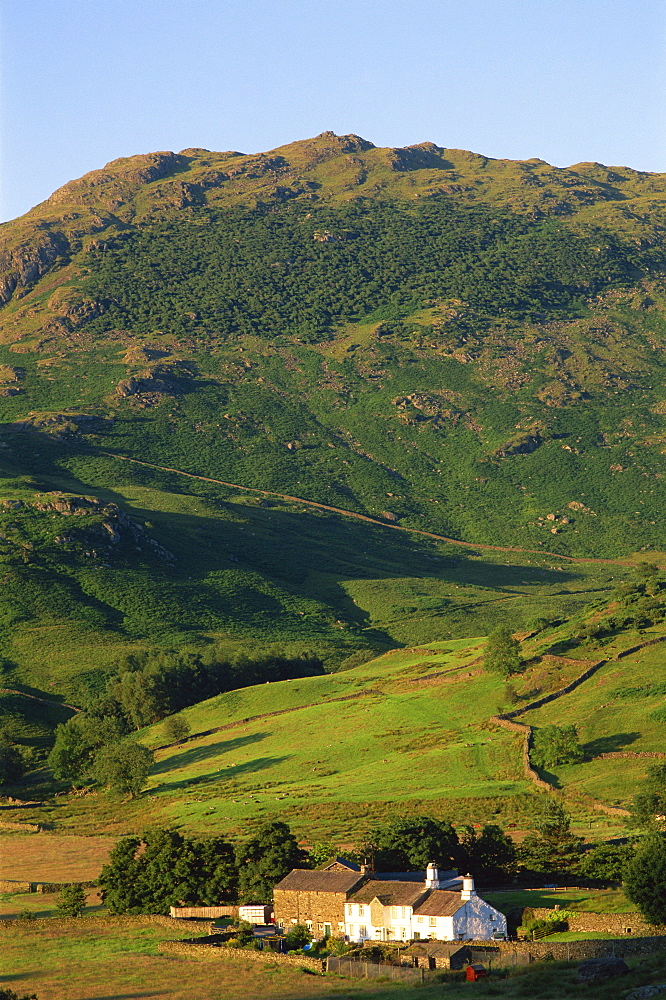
<point x="420" y="919"/>
<point x="341" y="927"/>
<point x="404" y="912"/>
<point x="394" y="911"/>
<point x="417" y="935"/>
<point x="433" y="921"/>
<point x="308" y="924"/>
<point x="294" y="920"/>
<point x="361" y="910"/>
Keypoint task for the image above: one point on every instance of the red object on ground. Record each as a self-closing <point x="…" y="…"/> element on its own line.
<point x="474" y="972"/>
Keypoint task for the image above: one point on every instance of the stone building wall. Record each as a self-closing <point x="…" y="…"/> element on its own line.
<point x="301" y="905"/>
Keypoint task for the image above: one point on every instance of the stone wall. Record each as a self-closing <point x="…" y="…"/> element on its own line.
<point x="507" y="953"/>
<point x="300" y="906"/>
<point x="219" y="954"/>
<point x="605" y="923"/>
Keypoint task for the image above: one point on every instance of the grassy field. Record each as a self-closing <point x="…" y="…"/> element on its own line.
<point x="589" y="900"/>
<point x="42" y="857"/>
<point x="117" y="959"/>
<point x="335" y="754"/>
<point x="621" y="709"/>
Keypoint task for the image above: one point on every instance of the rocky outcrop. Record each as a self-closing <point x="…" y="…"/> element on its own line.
<point x="160" y="380"/>
<point x="524" y="444"/>
<point x="23" y="265"/>
<point x="140" y="170"/>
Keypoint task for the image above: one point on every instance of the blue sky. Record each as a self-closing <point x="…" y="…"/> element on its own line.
<point x="85" y="81"/>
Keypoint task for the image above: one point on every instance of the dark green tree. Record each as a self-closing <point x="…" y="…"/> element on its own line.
<point x="297" y="937"/>
<point x="124" y="767"/>
<point x="606" y="862"/>
<point x="648" y="807"/>
<point x="121" y="879"/>
<point x="502" y="653"/>
<point x="553" y="847"/>
<point x="77" y="742"/>
<point x="645" y="878"/>
<point x="164" y="869"/>
<point x="409" y="844"/>
<point x="72" y="900"/>
<point x="265" y="859"/>
<point x="12" y="764"/>
<point x="7" y="994"/>
<point x="175" y="727"/>
<point x="555" y="745"/>
<point x="490" y="855"/>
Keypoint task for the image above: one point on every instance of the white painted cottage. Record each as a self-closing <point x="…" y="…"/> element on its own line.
<point x="404" y="911"/>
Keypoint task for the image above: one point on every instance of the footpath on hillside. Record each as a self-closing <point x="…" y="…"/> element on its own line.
<point x="371" y="520"/>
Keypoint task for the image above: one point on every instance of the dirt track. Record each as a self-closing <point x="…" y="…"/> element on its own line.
<point x="371" y="520"/>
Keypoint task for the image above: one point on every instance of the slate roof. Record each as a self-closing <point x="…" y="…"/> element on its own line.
<point x="439" y="903"/>
<point x="304" y="880"/>
<point x="336" y="863"/>
<point x="389" y="893"/>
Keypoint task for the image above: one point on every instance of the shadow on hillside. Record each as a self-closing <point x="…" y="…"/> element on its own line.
<point x="224" y="774"/>
<point x="609" y="744"/>
<point x="198" y="754"/>
<point x="237" y="566"/>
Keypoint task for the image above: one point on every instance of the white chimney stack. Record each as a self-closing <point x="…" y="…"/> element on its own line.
<point x="468" y="889"/>
<point x="432" y="876"/>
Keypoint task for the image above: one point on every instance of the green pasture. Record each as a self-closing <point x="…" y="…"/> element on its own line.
<point x="402" y="728"/>
<point x="620" y="709"/>
<point x="585" y="900"/>
<point x="98" y="958"/>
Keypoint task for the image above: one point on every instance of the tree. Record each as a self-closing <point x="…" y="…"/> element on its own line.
<point x="7" y="994"/>
<point x="648" y="807"/>
<point x="321" y="853"/>
<point x="77" y="742"/>
<point x="164" y="868"/>
<point x="265" y="859"/>
<point x="72" y="900"/>
<point x="297" y="937"/>
<point x="175" y="727"/>
<point x="645" y="878"/>
<point x="502" y="653"/>
<point x="554" y="745"/>
<point x="490" y="855"/>
<point x="553" y="848"/>
<point x="12" y="764"/>
<point x="606" y="862"/>
<point x="406" y="844"/>
<point x="124" y="767"/>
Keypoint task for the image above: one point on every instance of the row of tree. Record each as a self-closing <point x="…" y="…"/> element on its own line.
<point x="164" y="868"/>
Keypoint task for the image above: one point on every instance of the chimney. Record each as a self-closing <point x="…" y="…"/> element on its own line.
<point x="366" y="869"/>
<point x="432" y="876"/>
<point x="468" y="889"/>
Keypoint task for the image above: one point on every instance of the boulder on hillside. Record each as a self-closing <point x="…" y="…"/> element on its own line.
<point x="594" y="970"/>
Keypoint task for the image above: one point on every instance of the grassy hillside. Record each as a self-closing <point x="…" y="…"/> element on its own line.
<point x="425" y="338"/>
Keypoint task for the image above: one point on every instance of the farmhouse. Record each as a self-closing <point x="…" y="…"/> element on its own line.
<point x="405" y="911"/>
<point x="345" y="900"/>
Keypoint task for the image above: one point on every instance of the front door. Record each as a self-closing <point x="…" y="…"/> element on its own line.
<point x="327" y="930"/>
